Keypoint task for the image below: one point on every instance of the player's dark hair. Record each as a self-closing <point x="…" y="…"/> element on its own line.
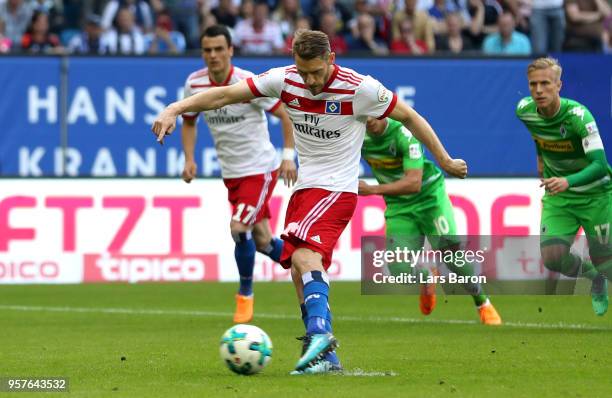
<point x="217" y="30"/>
<point x="310" y="44"/>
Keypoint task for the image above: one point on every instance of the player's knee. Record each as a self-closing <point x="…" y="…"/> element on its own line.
<point x="553" y="256"/>
<point x="552" y="263"/>
<point x="262" y="239"/>
<point x="305" y="260"/>
<point x="237" y="228"/>
<point x="240" y="236"/>
<point x="300" y="259"/>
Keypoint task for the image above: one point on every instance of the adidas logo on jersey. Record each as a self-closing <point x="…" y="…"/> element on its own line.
<point x="294" y="102"/>
<point x="316" y="238"/>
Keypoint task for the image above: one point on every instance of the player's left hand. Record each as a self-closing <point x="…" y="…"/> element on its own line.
<point x="455" y="167"/>
<point x="164" y="124"/>
<point x="365" y="188"/>
<point x="555" y="185"/>
<point x="288" y="171"/>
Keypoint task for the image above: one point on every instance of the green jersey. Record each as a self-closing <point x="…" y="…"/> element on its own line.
<point x="395" y="151"/>
<point x="563" y="141"/>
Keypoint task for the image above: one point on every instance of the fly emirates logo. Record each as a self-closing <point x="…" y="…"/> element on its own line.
<point x="311" y="127"/>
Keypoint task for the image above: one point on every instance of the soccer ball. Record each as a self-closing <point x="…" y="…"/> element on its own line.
<point x="245" y="349"/>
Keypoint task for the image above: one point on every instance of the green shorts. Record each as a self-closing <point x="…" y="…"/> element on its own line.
<point x="562" y="217"/>
<point x="433" y="217"/>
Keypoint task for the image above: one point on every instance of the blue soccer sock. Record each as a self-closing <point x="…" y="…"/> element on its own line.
<point x="273" y="249"/>
<point x="304" y="315"/>
<point x="244" y="252"/>
<point x="316" y="291"/>
<point x="330" y="356"/>
<point x="328" y="318"/>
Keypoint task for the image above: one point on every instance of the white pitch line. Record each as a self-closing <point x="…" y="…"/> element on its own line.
<point x="364" y="373"/>
<point x="199" y="313"/>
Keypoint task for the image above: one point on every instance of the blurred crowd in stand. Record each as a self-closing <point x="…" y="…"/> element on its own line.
<point x="265" y="27"/>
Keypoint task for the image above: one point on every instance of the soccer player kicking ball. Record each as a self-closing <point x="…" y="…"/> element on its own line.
<point x="328" y="105"/>
<point x="576" y="177"/>
<point x="417" y="206"/>
<point x="249" y="165"/>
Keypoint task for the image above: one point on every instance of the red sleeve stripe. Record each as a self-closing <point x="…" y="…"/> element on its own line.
<point x="342" y="79"/>
<point x="350" y="76"/>
<point x="389" y="108"/>
<point x="315" y="106"/>
<point x="349" y="79"/>
<point x="275" y="107"/>
<point x="295" y="84"/>
<point x="253" y="88"/>
<point x="327" y="90"/>
<point x="190" y="117"/>
<point x="350" y="72"/>
<point x="338" y="91"/>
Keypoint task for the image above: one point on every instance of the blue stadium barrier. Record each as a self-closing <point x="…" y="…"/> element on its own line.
<point x="85" y="116"/>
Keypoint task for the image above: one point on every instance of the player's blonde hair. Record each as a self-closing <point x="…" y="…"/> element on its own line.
<point x="310" y="44"/>
<point x="545" y="63"/>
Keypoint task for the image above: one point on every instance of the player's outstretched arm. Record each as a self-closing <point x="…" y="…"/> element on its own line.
<point x="426" y="135"/>
<point x="215" y="98"/>
<point x="596" y="169"/>
<point x="409" y="184"/>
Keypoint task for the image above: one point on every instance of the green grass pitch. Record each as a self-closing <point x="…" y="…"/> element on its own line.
<point x="162" y="340"/>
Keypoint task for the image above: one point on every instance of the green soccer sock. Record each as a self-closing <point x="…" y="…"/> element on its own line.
<point x="573" y="266"/>
<point x="605" y="269"/>
<point x="474" y="289"/>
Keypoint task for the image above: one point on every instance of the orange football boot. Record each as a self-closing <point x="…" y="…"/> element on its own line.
<point x="488" y="314"/>
<point x="427" y="299"/>
<point x="244" y="309"/>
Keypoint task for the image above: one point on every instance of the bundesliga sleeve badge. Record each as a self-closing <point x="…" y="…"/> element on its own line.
<point x="383" y="94"/>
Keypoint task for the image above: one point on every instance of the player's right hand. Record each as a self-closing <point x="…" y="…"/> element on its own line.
<point x="364" y="188"/>
<point x="164" y="124"/>
<point x="288" y="171"/>
<point x="455" y="167"/>
<point x="189" y="171"/>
